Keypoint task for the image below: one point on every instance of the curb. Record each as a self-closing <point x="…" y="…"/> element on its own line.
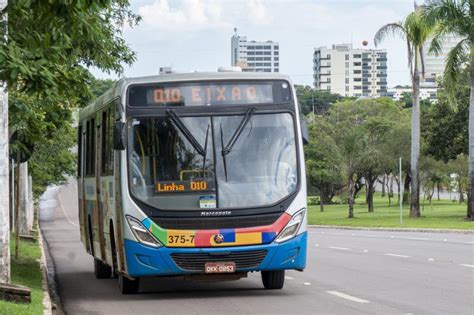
<point x="47" y="305"/>
<point x="49" y="278"/>
<point x="424" y="230"/>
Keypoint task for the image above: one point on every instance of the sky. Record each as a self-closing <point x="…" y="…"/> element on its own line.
<point x="195" y="35"/>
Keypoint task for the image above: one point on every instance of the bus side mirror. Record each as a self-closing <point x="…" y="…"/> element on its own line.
<point x="119" y="135"/>
<point x="304" y="129"/>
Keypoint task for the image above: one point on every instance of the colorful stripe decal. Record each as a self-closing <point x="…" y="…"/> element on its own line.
<point x="207" y="238"/>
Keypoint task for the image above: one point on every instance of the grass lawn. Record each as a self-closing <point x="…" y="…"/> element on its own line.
<point x="444" y="215"/>
<point x="25" y="271"/>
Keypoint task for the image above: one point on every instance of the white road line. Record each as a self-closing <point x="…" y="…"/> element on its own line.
<point x="337" y="233"/>
<point x="466" y="265"/>
<point x="430" y="259"/>
<point x="340" y="248"/>
<point x="317" y="245"/>
<point x="366" y="251"/>
<point x="307" y="283"/>
<point x="347" y="297"/>
<point x="391" y="236"/>
<point x="397" y="255"/>
<point x="289" y="278"/>
<point x="415" y="238"/>
<point x="445" y="240"/>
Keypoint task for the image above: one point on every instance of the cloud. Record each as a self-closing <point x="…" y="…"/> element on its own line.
<point x="202" y="14"/>
<point x="189" y="14"/>
<point x="257" y="12"/>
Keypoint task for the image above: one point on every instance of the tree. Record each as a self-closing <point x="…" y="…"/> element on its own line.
<point x="415" y="30"/>
<point x="356" y="138"/>
<point x="46" y="49"/>
<point x="458" y="166"/>
<point x="446" y="130"/>
<point x="456" y="18"/>
<point x="310" y="98"/>
<point x="4" y="173"/>
<point x="323" y="161"/>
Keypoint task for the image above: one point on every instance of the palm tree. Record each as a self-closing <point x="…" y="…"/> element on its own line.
<point x="415" y="31"/>
<point x="455" y="18"/>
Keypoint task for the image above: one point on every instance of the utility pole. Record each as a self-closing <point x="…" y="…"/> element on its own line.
<point x="4" y="179"/>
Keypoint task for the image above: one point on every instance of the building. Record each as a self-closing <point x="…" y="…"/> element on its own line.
<point x="350" y="72"/>
<point x="434" y="65"/>
<point x="426" y="92"/>
<point x="253" y="56"/>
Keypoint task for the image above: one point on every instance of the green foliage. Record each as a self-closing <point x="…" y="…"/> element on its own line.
<point x="355" y="139"/>
<point x="446" y="131"/>
<point x="49" y="169"/>
<point x="322" y="100"/>
<point x="452" y="18"/>
<point x="323" y="164"/>
<point x="48" y="46"/>
<point x="100" y="86"/>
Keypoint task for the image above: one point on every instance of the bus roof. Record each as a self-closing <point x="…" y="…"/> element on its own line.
<point x="120" y="86"/>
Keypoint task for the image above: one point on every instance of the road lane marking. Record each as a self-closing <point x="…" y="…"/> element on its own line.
<point x="415" y="238"/>
<point x="289" y="278"/>
<point x="347" y="297"/>
<point x="337" y="233"/>
<point x="307" y="283"/>
<point x="366" y="250"/>
<point x="397" y="255"/>
<point x="340" y="248"/>
<point x="466" y="265"/>
<point x="445" y="240"/>
<point x="430" y="259"/>
<point x="317" y="245"/>
<point x="391" y="236"/>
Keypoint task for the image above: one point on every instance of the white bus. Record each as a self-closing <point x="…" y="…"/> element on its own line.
<point x="198" y="175"/>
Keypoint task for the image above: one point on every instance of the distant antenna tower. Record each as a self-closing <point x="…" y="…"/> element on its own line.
<point x="235" y="31"/>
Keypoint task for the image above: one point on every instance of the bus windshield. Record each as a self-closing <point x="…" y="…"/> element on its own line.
<point x="193" y="163"/>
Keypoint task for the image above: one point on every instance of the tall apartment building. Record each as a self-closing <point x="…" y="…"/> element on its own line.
<point x="350" y="72"/>
<point x="434" y="65"/>
<point x="253" y="56"/>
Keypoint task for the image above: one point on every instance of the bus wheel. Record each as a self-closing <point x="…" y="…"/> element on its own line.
<point x="128" y="286"/>
<point x="273" y="279"/>
<point x="101" y="270"/>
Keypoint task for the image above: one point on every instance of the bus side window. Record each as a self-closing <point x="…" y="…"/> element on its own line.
<point x="90" y="148"/>
<point x="103" y="146"/>
<point x="107" y="167"/>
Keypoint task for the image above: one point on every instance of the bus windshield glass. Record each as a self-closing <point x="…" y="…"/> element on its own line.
<point x="192" y="163"/>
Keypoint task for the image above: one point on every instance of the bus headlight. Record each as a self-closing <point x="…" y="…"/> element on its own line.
<point x="141" y="232"/>
<point x="291" y="227"/>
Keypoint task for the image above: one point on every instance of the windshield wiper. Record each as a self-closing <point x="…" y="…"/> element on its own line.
<point x="182" y="127"/>
<point x="205" y="152"/>
<point x="238" y="132"/>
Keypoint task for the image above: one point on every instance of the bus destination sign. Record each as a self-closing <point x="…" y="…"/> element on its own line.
<point x="208" y="93"/>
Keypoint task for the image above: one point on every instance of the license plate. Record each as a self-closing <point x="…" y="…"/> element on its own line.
<point x="219" y="267"/>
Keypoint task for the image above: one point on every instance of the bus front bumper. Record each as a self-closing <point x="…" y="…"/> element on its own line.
<point x="147" y="261"/>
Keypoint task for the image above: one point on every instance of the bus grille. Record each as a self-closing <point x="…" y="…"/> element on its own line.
<point x="242" y="260"/>
<point x="216" y="223"/>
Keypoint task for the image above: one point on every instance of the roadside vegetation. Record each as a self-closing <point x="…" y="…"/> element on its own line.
<point x="441" y="214"/>
<point x="26" y="271"/>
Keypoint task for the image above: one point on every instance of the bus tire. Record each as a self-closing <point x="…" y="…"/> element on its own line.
<point x="274" y="279"/>
<point x="128" y="286"/>
<point x="101" y="269"/>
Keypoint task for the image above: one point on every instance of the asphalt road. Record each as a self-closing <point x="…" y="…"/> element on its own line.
<point x="348" y="272"/>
